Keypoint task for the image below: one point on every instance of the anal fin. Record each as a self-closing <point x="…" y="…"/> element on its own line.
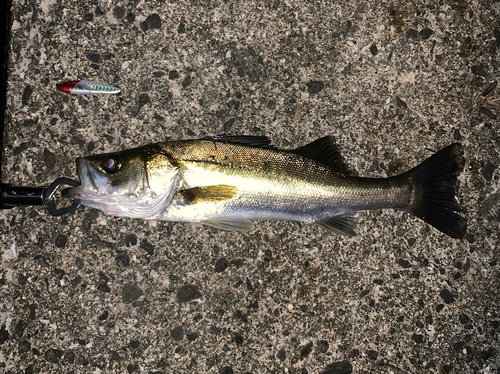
<point x="341" y="225"/>
<point x="230" y="224"/>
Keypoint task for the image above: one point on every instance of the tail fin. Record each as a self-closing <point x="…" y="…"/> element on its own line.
<point x="433" y="196"/>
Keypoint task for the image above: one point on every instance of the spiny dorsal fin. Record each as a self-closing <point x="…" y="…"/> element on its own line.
<point x="209" y="194"/>
<point x="250" y="140"/>
<point x="228" y="224"/>
<point x="341" y="225"/>
<point x="326" y="152"/>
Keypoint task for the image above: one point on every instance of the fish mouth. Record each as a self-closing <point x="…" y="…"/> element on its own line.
<point x="95" y="190"/>
<point x="91" y="190"/>
<point x="82" y="190"/>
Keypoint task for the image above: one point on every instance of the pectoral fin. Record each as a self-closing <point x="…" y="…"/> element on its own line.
<point x="228" y="224"/>
<point x="341" y="225"/>
<point x="209" y="194"/>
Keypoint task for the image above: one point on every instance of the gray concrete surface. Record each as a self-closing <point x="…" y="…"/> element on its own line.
<point x="392" y="81"/>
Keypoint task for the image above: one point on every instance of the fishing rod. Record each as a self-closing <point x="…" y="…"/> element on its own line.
<point x="13" y="196"/>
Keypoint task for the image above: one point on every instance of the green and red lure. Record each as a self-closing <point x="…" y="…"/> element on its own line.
<point x="84" y="87"/>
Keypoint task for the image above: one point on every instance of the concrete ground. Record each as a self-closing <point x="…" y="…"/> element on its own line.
<point x="392" y="81"/>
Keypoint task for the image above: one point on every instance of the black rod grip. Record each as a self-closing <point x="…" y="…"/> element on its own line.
<point x="19" y="196"/>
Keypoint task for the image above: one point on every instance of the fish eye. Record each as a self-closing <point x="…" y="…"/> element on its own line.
<point x="112" y="163"/>
<point x="59" y="85"/>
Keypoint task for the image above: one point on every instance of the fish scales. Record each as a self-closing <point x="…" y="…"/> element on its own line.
<point x="283" y="181"/>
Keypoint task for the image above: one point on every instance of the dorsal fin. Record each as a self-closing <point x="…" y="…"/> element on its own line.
<point x="326" y="152"/>
<point x="250" y="140"/>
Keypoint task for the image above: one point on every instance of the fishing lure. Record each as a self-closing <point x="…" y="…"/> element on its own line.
<point x="84" y="87"/>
